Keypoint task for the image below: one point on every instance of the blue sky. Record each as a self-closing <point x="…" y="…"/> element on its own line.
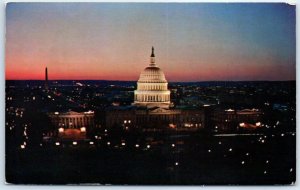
<point x="193" y="41"/>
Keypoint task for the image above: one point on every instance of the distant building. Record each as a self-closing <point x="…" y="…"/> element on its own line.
<point x="230" y="119"/>
<point x="152" y="108"/>
<point x="72" y="125"/>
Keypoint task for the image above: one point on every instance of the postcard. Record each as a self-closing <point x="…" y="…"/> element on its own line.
<point x="150" y="93"/>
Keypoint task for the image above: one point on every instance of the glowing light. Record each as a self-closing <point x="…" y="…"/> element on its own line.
<point x="148" y="146"/>
<point x="242" y="124"/>
<point x="56" y="113"/>
<point x="267" y="161"/>
<point x="265" y="172"/>
<point x="209" y="150"/>
<point x="243" y="162"/>
<point x="79" y="84"/>
<point x="173" y="145"/>
<point x="108" y="143"/>
<point x="229" y="110"/>
<point x="258" y="124"/>
<point x="91" y="143"/>
<point x="105" y="130"/>
<point x="187" y="125"/>
<point x="247" y="154"/>
<point x="74" y="143"/>
<point x="57" y="143"/>
<point x="230" y="150"/>
<point x="89" y="112"/>
<point x="123" y="144"/>
<point x="291" y="169"/>
<point x="176" y="163"/>
<point x="137" y="145"/>
<point x="220" y="142"/>
<point x="282" y="134"/>
<point x="22" y="146"/>
<point x="61" y="130"/>
<point x="83" y="129"/>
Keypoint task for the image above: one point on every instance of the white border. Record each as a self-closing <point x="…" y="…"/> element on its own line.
<point x="37" y="187"/>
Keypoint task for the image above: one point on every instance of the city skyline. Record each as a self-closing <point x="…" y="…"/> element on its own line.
<point x="112" y="41"/>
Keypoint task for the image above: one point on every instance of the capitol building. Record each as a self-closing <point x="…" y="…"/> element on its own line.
<point x="152" y="108"/>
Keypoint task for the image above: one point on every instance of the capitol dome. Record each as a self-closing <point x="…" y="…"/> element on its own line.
<point x="152" y="87"/>
<point x="152" y="74"/>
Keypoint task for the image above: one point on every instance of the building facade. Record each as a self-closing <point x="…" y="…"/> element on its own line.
<point x="155" y="119"/>
<point x="231" y="120"/>
<point x="71" y="124"/>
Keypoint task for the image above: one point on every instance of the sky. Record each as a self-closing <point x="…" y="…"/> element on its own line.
<point x="112" y="41"/>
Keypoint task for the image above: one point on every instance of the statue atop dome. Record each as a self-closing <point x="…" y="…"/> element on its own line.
<point x="152" y="54"/>
<point x="152" y="58"/>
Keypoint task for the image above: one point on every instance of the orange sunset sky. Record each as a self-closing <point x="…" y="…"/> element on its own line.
<point x="112" y="41"/>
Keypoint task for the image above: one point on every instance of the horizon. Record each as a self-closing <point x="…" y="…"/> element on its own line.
<point x="193" y="42"/>
<point x="136" y="80"/>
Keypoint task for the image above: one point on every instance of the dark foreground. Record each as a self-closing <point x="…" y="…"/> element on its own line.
<point x="182" y="160"/>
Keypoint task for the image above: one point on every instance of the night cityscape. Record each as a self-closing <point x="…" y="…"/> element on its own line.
<point x="220" y="153"/>
<point x="63" y="127"/>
